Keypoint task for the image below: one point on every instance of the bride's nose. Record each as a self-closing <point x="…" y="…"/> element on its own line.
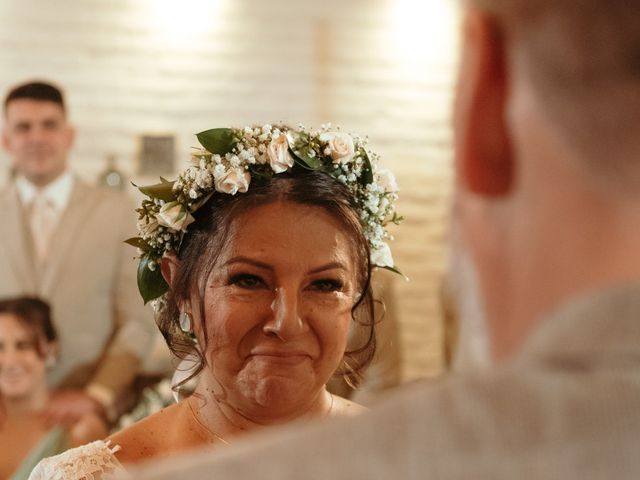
<point x="285" y="320"/>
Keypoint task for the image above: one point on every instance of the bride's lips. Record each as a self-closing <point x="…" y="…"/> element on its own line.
<point x="281" y="356"/>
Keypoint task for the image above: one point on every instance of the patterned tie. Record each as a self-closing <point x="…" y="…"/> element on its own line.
<point x="43" y="221"/>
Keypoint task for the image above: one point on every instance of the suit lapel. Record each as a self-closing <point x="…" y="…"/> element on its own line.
<point x="16" y="239"/>
<point x="69" y="227"/>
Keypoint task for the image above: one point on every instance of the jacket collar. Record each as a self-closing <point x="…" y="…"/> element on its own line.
<point x="603" y="326"/>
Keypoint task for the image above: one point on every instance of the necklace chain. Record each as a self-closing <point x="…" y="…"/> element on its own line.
<point x="330" y="411"/>
<point x="203" y="426"/>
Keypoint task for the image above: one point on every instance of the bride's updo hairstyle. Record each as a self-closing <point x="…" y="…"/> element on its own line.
<point x="202" y="243"/>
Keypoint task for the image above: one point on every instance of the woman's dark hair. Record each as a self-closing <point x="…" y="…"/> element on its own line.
<point x="209" y="232"/>
<point x="33" y="313"/>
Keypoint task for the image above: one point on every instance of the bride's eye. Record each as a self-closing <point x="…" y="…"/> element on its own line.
<point x="247" y="281"/>
<point x="327" y="285"/>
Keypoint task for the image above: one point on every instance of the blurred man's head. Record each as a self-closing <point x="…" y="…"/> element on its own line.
<point x="36" y="132"/>
<point x="548" y="153"/>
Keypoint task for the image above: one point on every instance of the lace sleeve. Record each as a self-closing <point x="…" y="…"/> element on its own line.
<point x="94" y="461"/>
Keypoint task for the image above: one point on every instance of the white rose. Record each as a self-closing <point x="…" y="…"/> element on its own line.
<point x="175" y="216"/>
<point x="234" y="181"/>
<point x="340" y="145"/>
<point x="278" y="152"/>
<point x="381" y="256"/>
<point x="387" y="180"/>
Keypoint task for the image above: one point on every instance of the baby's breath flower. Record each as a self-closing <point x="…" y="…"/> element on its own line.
<point x="343" y="156"/>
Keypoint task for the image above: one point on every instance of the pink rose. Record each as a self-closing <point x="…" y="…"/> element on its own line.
<point x="341" y="147"/>
<point x="278" y="152"/>
<point x="233" y="181"/>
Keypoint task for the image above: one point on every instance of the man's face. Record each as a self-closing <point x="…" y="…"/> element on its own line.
<point x="38" y="137"/>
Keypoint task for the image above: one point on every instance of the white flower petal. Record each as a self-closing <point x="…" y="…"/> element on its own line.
<point x="175" y="216"/>
<point x="278" y="152"/>
<point x="381" y="256"/>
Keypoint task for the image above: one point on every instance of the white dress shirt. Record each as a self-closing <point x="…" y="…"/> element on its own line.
<point x="45" y="206"/>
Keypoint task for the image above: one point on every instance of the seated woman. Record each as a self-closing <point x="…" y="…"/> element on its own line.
<point x="27" y="345"/>
<point x="258" y="258"/>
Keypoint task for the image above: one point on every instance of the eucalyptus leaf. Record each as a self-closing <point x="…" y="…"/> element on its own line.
<point x="217" y="140"/>
<point x="162" y="191"/>
<point x="296" y="138"/>
<point x="150" y="282"/>
<point x="394" y="269"/>
<point x="306" y="161"/>
<point x="367" y="171"/>
<point x="138" y="242"/>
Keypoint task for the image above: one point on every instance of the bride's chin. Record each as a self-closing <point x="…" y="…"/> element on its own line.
<point x="279" y="395"/>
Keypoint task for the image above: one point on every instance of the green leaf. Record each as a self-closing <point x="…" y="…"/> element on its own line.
<point x="261" y="172"/>
<point x="138" y="242"/>
<point x="394" y="269"/>
<point x="397" y="219"/>
<point x="150" y="283"/>
<point x="298" y="147"/>
<point x="367" y="171"/>
<point x="162" y="191"/>
<point x="217" y="140"/>
<point x="306" y="161"/>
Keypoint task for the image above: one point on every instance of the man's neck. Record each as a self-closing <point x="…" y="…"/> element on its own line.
<point x="42" y="182"/>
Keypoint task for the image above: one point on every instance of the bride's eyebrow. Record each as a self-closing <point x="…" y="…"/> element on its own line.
<point x="248" y="261"/>
<point x="328" y="266"/>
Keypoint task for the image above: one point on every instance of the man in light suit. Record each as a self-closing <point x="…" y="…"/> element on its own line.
<point x="63" y="241"/>
<point x="547" y="138"/>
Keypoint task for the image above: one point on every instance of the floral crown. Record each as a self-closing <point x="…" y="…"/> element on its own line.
<point x="228" y="162"/>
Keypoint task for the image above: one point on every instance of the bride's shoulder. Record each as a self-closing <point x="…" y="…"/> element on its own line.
<point x="86" y="461"/>
<point x="345" y="408"/>
<point x="147" y="437"/>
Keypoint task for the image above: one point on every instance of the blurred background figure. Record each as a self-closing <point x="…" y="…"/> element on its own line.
<point x="28" y="348"/>
<point x="63" y="241"/>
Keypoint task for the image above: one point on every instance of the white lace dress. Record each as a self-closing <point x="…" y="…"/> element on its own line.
<point x="94" y="461"/>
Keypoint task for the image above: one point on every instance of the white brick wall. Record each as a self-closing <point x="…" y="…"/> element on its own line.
<point x="252" y="61"/>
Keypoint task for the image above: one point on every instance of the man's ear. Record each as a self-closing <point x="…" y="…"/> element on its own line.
<point x="70" y="136"/>
<point x="5" y="140"/>
<point x="484" y="160"/>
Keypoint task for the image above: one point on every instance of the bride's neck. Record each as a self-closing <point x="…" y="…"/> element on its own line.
<point x="216" y="413"/>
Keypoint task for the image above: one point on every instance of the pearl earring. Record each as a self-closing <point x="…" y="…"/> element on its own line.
<point x="185" y="322"/>
<point x="50" y="361"/>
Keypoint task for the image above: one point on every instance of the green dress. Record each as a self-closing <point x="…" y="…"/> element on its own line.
<point x="54" y="442"/>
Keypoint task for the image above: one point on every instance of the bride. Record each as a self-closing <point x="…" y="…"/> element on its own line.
<point x="258" y="259"/>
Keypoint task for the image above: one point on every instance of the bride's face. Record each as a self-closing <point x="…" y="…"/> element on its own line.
<point x="277" y="308"/>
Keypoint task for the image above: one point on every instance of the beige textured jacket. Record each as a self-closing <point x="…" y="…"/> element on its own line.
<point x="89" y="280"/>
<point x="568" y="408"/>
